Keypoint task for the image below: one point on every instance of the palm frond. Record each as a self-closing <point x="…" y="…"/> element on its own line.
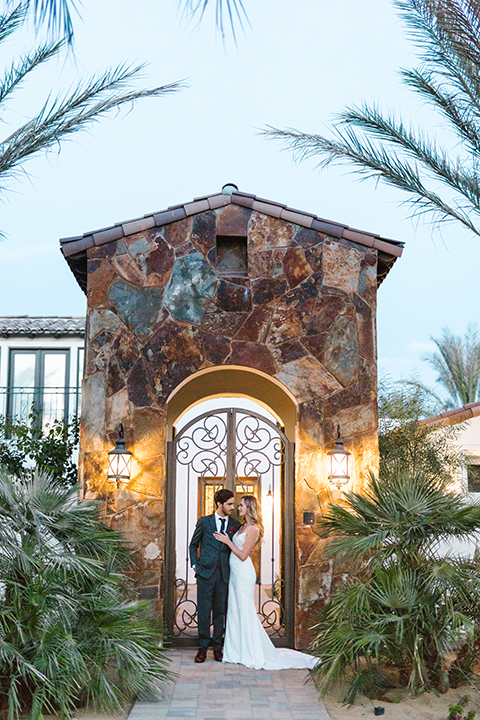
<point x="372" y="161"/>
<point x="228" y="13"/>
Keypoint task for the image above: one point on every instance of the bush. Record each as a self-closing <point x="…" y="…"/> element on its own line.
<point x="408" y="605"/>
<point x="23" y="444"/>
<point x="405" y="603"/>
<point x="71" y="631"/>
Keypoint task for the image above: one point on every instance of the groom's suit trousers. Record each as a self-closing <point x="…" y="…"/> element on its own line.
<point x="212" y="605"/>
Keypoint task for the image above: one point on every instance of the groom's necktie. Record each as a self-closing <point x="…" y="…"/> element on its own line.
<point x="222" y="523"/>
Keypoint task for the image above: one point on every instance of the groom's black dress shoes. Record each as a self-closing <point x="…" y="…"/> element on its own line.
<point x="201" y="656"/>
<point x="218" y="655"/>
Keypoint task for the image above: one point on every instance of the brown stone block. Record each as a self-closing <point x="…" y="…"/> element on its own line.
<point x="231" y="297"/>
<point x="93" y="413"/>
<point x="288" y="351"/>
<point x="177" y="232"/>
<point x="353" y="421"/>
<point x="142" y="522"/>
<point x="222" y="323"/>
<point x="125" y="349"/>
<point x="186" y="249"/>
<point x="140" y="389"/>
<point x="341" y="353"/>
<point x="307" y="238"/>
<point x="326" y="309"/>
<point x="266" y="232"/>
<point x="295" y="266"/>
<point x="128" y="269"/>
<point x="256" y="325"/>
<point x="101" y="252"/>
<point x="149" y="433"/>
<point x="366" y="328"/>
<point x="310" y="423"/>
<point x="252" y="355"/>
<point x="99" y="321"/>
<point x="293" y="311"/>
<point x="265" y="290"/>
<point x="118" y="410"/>
<point x="95" y="470"/>
<point x="174" y="352"/>
<point x="314" y="257"/>
<point x="260" y="263"/>
<point x="159" y="262"/>
<point x="204" y="231"/>
<point x="217" y="347"/>
<point x="98" y="284"/>
<point x="287" y="323"/>
<point x="98" y="353"/>
<point x="233" y="220"/>
<point x="368" y="380"/>
<point x="315" y="344"/>
<point x="342" y="399"/>
<point x="341" y="266"/>
<point x="307" y="379"/>
<point x="115" y="379"/>
<point x="306" y="543"/>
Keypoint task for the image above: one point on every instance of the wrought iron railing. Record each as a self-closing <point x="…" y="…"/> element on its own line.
<point x="44" y="404"/>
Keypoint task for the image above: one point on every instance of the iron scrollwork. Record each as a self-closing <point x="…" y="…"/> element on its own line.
<point x="205" y="447"/>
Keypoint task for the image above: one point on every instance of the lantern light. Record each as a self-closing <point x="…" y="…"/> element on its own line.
<point x="119" y="460"/>
<point x="339" y="463"/>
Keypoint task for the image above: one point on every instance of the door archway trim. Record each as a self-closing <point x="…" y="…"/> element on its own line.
<point x="234" y="381"/>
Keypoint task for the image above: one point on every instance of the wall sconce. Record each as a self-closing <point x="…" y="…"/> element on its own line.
<point x="339" y="463"/>
<point x="119" y="460"/>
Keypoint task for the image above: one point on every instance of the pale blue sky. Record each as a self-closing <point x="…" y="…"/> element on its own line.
<point x="298" y="65"/>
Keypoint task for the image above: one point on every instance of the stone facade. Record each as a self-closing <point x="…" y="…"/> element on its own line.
<point x="161" y="308"/>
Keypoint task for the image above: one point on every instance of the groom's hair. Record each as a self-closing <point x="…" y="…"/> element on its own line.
<point x="221" y="496"/>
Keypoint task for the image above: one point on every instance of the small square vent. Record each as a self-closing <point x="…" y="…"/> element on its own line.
<point x="231" y="256"/>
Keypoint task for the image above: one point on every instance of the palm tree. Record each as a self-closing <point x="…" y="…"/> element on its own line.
<point x="443" y="181"/>
<point x="457" y="361"/>
<point x="408" y="605"/>
<point x="71" y="630"/>
<point x="56" y="15"/>
<point x="67" y="113"/>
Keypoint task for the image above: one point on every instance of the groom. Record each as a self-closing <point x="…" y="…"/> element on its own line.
<point x="212" y="569"/>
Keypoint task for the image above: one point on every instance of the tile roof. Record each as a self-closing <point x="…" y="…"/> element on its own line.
<point x="453" y="417"/>
<point x="74" y="248"/>
<point x="47" y="326"/>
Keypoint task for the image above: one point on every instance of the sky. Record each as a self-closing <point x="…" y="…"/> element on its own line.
<point x="296" y="66"/>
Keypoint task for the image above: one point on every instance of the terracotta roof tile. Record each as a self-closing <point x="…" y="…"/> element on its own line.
<point x="44" y="326"/>
<point x="453" y="417"/>
<point x="134" y="226"/>
<point x="73" y="247"/>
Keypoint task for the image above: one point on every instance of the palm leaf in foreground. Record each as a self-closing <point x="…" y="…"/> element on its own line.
<point x="436" y="179"/>
<point x="67" y="113"/>
<point x="71" y="631"/>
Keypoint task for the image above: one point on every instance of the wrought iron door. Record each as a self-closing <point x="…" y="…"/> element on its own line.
<point x="250" y="455"/>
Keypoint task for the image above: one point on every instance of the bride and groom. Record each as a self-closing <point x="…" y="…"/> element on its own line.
<point x="220" y="554"/>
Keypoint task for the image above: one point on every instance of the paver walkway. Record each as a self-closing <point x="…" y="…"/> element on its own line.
<point x="222" y="691"/>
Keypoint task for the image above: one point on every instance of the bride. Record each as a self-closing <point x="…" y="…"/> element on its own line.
<point x="246" y="641"/>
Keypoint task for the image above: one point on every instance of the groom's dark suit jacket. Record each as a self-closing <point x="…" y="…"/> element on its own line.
<point x="212" y="552"/>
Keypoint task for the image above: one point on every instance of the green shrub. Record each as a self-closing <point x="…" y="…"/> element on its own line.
<point x="23" y="444"/>
<point x="71" y="631"/>
<point x="408" y="604"/>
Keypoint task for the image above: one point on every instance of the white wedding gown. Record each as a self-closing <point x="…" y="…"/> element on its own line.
<point x="246" y="641"/>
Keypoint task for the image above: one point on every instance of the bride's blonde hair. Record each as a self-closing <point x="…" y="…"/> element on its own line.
<point x="254" y="514"/>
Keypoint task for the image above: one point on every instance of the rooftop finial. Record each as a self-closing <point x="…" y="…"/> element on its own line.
<point x="229" y="189"/>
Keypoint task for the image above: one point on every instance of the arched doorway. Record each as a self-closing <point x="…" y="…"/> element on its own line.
<point x="240" y="446"/>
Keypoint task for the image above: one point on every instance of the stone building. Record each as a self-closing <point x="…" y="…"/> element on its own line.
<point x="229" y="296"/>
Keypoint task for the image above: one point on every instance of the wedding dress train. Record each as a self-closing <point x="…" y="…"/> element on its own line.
<point x="246" y="641"/>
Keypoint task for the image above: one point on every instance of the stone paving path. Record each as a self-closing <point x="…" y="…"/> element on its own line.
<point x="221" y="691"/>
